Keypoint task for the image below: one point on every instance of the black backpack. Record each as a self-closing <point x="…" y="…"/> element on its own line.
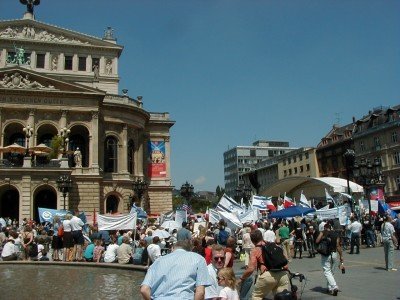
<point x="325" y="246"/>
<point x="273" y="256"/>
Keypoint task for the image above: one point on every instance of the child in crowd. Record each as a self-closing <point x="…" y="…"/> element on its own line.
<point x="88" y="254"/>
<point x="98" y="251"/>
<point x="226" y="278"/>
<point x="44" y="255"/>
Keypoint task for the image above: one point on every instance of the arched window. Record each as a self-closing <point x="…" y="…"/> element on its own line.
<point x="131" y="157"/>
<point x="46" y="139"/>
<point x="78" y="141"/>
<point x="112" y="204"/>
<point x="110" y="154"/>
<point x="17" y="138"/>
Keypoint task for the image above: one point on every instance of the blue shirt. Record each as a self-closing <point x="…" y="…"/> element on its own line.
<point x="176" y="275"/>
<point x="89" y="251"/>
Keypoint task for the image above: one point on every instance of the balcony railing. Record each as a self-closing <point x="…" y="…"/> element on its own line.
<point x="5" y="163"/>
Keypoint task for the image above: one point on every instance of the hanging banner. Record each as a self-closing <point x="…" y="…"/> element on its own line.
<point x="126" y="222"/>
<point x="376" y="193"/>
<point x="47" y="214"/>
<point x="157" y="165"/>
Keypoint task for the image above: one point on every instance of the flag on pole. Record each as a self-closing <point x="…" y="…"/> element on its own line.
<point x="329" y="198"/>
<point x="303" y="200"/>
<point x="264" y="203"/>
<point x="228" y="204"/>
<point x="287" y="201"/>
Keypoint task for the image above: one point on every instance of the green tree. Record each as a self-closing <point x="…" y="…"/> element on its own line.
<point x="56" y="146"/>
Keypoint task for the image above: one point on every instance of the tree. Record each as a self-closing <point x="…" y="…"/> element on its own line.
<point x="56" y="145"/>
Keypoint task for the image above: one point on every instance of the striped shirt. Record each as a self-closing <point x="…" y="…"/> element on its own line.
<point x="176" y="275"/>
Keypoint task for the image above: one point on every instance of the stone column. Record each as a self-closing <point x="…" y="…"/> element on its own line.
<point x="89" y="64"/>
<point x="60" y="62"/>
<point x="75" y="62"/>
<point x="140" y="154"/>
<point x="3" y="58"/>
<point x="115" y="66"/>
<point x="102" y="65"/>
<point x="26" y="207"/>
<point x="94" y="141"/>
<point x="167" y="157"/>
<point x="123" y="157"/>
<point x="33" y="59"/>
<point x="47" y="65"/>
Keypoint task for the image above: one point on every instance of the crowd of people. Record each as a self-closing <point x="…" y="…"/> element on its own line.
<point x="208" y="253"/>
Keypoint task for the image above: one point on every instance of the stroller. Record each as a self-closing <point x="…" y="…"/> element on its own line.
<point x="292" y="294"/>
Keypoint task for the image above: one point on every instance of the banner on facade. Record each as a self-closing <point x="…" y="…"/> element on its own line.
<point x="124" y="222"/>
<point x="157" y="165"/>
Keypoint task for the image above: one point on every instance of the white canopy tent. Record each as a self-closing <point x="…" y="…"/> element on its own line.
<point x="311" y="187"/>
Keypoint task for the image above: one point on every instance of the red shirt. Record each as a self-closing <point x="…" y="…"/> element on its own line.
<point x="230" y="250"/>
<point x="208" y="255"/>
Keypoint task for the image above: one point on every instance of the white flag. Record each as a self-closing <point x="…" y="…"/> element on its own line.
<point x="229" y="205"/>
<point x="329" y="198"/>
<point x="126" y="222"/>
<point x="303" y="200"/>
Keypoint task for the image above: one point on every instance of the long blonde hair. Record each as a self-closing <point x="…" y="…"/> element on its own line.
<point x="229" y="276"/>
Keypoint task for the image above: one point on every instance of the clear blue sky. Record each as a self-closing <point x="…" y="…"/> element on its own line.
<point x="230" y="72"/>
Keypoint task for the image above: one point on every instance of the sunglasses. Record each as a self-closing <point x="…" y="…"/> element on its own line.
<point x="219" y="258"/>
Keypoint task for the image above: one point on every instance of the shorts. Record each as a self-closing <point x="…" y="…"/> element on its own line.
<point x="77" y="237"/>
<point x="56" y="242"/>
<point x="68" y="242"/>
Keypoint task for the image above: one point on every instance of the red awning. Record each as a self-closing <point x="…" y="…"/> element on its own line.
<point x="393" y="204"/>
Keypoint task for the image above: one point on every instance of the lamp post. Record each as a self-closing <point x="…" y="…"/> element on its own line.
<point x="139" y="186"/>
<point x="369" y="175"/>
<point x="349" y="159"/>
<point x="243" y="191"/>
<point x="187" y="191"/>
<point x="64" y="184"/>
<point x="64" y="133"/>
<point x="28" y="130"/>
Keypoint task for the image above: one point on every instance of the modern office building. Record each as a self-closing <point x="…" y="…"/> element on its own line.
<point x="61" y="85"/>
<point x="242" y="159"/>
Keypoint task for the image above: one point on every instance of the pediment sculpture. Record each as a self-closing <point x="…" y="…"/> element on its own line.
<point x="18" y="81"/>
<point x="32" y="33"/>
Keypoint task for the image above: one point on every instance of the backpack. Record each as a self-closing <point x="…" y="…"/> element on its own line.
<point x="273" y="256"/>
<point x="60" y="231"/>
<point x="222" y="237"/>
<point x="137" y="255"/>
<point x="324" y="247"/>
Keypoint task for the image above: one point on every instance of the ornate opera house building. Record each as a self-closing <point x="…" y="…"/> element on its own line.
<point x="68" y="138"/>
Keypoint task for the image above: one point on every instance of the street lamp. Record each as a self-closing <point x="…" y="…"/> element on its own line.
<point x="139" y="186"/>
<point x="187" y="191"/>
<point x="369" y="175"/>
<point x="64" y="184"/>
<point x="28" y="133"/>
<point x="349" y="159"/>
<point x="64" y="133"/>
<point x="243" y="191"/>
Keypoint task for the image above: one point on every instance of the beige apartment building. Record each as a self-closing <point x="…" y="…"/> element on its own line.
<point x="298" y="163"/>
<point x="58" y="82"/>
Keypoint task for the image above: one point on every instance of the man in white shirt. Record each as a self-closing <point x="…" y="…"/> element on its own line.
<point x="217" y="263"/>
<point x="355" y="228"/>
<point x="77" y="235"/>
<point x="110" y="255"/>
<point x="9" y="252"/>
<point x="269" y="235"/>
<point x="154" y="250"/>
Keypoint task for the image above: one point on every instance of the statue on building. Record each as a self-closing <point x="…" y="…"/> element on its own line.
<point x="78" y="158"/>
<point x="109" y="67"/>
<point x="30" y="4"/>
<point x="54" y="63"/>
<point x="96" y="72"/>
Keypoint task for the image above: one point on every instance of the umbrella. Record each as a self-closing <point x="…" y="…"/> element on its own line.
<point x="14" y="148"/>
<point x="292" y="211"/>
<point x="42" y="148"/>
<point x="171" y="225"/>
<point x="162" y="234"/>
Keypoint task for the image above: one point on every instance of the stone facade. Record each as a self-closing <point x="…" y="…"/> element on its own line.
<point x="60" y="79"/>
